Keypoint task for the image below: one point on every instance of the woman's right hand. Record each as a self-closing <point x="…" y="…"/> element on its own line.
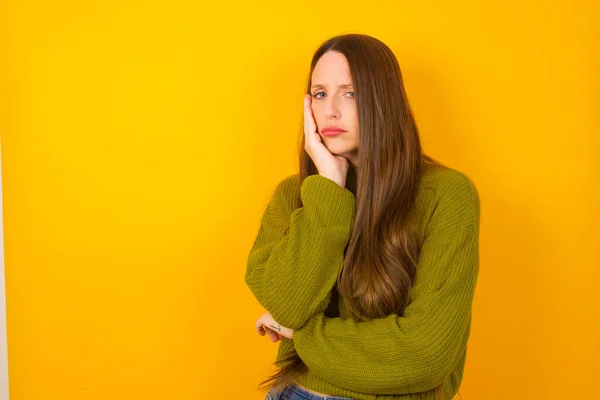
<point x="331" y="166"/>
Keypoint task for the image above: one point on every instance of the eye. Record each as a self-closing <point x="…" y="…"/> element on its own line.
<point x="318" y="93"/>
<point x="352" y="93"/>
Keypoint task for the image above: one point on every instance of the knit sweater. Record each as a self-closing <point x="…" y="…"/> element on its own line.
<point x="294" y="263"/>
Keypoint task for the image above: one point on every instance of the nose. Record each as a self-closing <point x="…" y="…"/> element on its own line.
<point x="332" y="109"/>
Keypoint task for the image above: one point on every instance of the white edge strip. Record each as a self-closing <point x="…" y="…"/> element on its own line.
<point x="3" y="341"/>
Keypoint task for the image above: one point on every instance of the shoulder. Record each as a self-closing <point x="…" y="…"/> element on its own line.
<point x="451" y="196"/>
<point x="446" y="178"/>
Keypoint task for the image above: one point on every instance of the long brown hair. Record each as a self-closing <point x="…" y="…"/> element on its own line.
<point x="381" y="256"/>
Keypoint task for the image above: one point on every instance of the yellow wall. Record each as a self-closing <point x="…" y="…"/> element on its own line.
<point x="141" y="140"/>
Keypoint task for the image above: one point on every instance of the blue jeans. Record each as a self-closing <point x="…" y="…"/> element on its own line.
<point x="295" y="392"/>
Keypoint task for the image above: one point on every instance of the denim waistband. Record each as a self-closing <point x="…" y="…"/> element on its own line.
<point x="295" y="392"/>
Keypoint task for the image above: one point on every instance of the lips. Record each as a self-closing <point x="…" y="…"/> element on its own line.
<point x="332" y="131"/>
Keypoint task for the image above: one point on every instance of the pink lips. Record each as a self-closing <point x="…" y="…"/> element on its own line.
<point x="332" y="131"/>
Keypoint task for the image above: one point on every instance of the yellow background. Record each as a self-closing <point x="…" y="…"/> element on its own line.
<point x="142" y="139"/>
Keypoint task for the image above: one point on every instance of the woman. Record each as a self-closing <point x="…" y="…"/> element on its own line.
<point x="366" y="261"/>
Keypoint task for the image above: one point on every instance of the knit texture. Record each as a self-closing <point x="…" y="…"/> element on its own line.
<point x="294" y="264"/>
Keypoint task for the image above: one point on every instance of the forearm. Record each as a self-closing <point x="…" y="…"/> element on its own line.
<point x="291" y="274"/>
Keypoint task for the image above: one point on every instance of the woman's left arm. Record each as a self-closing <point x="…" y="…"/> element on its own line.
<point x="416" y="351"/>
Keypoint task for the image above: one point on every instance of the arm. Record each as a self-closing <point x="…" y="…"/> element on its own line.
<point x="416" y="351"/>
<point x="297" y="255"/>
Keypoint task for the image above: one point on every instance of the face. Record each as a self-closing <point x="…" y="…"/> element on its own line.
<point x="334" y="105"/>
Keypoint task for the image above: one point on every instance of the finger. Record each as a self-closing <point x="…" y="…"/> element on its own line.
<point x="259" y="327"/>
<point x="312" y="125"/>
<point x="272" y="335"/>
<point x="306" y="118"/>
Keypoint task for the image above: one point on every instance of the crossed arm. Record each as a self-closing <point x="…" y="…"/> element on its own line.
<point x="396" y="354"/>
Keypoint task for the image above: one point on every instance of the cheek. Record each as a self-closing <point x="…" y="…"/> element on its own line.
<point x="351" y="113"/>
<point x="354" y="117"/>
<point x="316" y="112"/>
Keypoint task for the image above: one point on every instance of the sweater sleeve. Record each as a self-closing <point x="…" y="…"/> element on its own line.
<point x="297" y="255"/>
<point x="416" y="351"/>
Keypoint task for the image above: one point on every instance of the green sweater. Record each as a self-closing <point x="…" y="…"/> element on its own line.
<point x="294" y="263"/>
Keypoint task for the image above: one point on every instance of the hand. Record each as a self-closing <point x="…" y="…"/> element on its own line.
<point x="276" y="332"/>
<point x="334" y="167"/>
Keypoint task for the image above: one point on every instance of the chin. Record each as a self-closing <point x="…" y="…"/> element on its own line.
<point x="339" y="149"/>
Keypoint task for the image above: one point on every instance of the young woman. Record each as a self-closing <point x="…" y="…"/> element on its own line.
<point x="366" y="261"/>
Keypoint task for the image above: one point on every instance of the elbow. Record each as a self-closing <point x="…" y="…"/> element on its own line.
<point x="441" y="359"/>
<point x="295" y="309"/>
<point x="271" y="301"/>
<point x="286" y="313"/>
<point x="288" y="306"/>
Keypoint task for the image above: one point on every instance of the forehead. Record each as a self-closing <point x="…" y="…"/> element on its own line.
<point x="332" y="68"/>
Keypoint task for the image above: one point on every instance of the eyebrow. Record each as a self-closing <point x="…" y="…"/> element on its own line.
<point x="346" y="85"/>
